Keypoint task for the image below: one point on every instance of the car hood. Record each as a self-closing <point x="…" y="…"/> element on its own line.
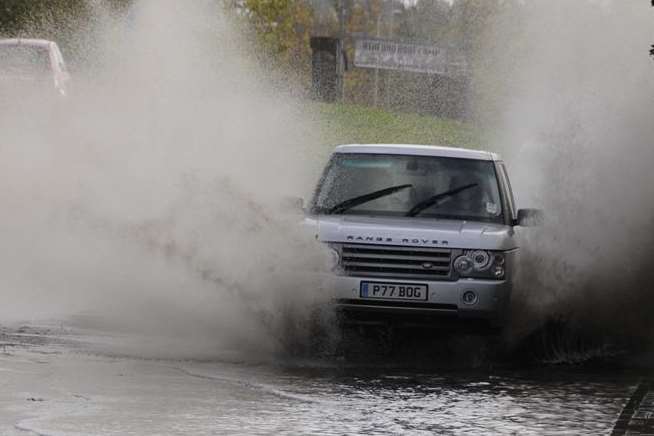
<point x="414" y="232"/>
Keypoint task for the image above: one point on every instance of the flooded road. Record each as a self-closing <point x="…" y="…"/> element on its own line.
<point x="53" y="384"/>
<point x="152" y="197"/>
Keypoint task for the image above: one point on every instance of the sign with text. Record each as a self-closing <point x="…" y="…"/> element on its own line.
<point x="401" y="56"/>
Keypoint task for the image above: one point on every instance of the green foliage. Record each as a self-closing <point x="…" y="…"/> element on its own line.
<point x="360" y="124"/>
<point x="282" y="26"/>
<point x="19" y="16"/>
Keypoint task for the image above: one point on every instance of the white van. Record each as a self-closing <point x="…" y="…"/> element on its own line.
<point x="32" y="66"/>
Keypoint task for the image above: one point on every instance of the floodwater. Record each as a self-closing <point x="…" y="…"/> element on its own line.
<point x="54" y="383"/>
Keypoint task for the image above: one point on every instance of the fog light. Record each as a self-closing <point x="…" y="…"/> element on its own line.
<point x="469" y="297"/>
<point x="463" y="265"/>
<point x="498" y="271"/>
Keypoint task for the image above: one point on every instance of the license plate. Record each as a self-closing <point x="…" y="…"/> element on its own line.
<point x="393" y="291"/>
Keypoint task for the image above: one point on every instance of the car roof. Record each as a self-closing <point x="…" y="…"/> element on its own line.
<point x="43" y="43"/>
<point x="418" y="150"/>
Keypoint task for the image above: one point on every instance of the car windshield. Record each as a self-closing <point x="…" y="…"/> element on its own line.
<point x="23" y="59"/>
<point x="411" y="186"/>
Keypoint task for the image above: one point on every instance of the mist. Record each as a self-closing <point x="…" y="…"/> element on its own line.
<point x="572" y="92"/>
<point x="150" y="201"/>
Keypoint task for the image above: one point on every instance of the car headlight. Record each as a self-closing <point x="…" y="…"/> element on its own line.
<point x="481" y="259"/>
<point x="463" y="265"/>
<point x="334" y="259"/>
<point x="498" y="271"/>
<point x="481" y="264"/>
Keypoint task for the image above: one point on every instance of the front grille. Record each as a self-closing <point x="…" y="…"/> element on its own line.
<point x="396" y="262"/>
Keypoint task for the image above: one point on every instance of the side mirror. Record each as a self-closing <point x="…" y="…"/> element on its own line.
<point x="293" y="204"/>
<point x="530" y="218"/>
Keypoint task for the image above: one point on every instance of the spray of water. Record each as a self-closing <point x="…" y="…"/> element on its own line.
<point x="574" y="84"/>
<point x="150" y="200"/>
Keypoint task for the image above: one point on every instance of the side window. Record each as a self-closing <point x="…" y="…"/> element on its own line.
<point x="506" y="187"/>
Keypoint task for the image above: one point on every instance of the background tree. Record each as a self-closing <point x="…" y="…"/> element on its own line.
<point x="426" y="20"/>
<point x="283" y="27"/>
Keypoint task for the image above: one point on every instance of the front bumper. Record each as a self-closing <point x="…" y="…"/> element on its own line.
<point x="444" y="301"/>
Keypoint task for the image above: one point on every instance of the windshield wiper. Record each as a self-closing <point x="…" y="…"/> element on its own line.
<point x="429" y="202"/>
<point x="356" y="201"/>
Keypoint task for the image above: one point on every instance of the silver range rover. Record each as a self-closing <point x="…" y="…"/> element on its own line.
<point x="420" y="233"/>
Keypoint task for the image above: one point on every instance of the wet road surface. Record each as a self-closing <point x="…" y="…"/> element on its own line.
<point x="54" y="387"/>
